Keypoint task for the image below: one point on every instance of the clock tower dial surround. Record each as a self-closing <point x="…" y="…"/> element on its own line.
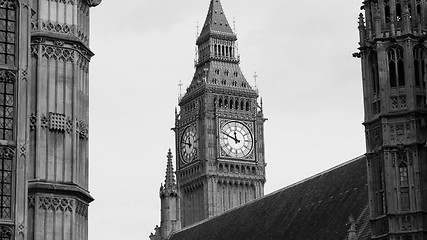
<point x="220" y="114"/>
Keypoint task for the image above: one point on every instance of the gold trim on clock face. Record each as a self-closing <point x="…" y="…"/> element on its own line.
<point x="236" y="139"/>
<point x="189" y="145"/>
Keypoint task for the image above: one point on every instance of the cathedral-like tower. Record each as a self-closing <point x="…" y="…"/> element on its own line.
<point x="219" y="129"/>
<point x="57" y="106"/>
<point x="393" y="53"/>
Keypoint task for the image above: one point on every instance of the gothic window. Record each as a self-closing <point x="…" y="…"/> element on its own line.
<point x="387" y="11"/>
<point x="223" y="50"/>
<point x="236" y="105"/>
<point x="224" y="82"/>
<point x="6" y="159"/>
<point x="373" y="62"/>
<point x="7" y="32"/>
<point x="236" y="74"/>
<point x="242" y="105"/>
<point x="217" y="71"/>
<point x="418" y="6"/>
<point x="231" y="103"/>
<point x="226" y="103"/>
<point x="226" y="72"/>
<point x="403" y="174"/>
<point x="419" y="70"/>
<point x="234" y="83"/>
<point x="398" y="12"/>
<point x="216" y="50"/>
<point x="220" y="102"/>
<point x="7" y="89"/>
<point x="247" y="106"/>
<point x="380" y="192"/>
<point x="396" y="67"/>
<point x="404" y="197"/>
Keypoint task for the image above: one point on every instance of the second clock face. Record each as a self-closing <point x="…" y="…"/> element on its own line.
<point x="189" y="145"/>
<point x="236" y="139"/>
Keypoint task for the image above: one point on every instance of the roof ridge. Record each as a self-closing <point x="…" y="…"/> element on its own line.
<point x="270" y="194"/>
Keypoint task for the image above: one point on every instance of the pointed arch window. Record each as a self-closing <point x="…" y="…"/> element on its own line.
<point x="398" y="12"/>
<point x="419" y="69"/>
<point x="7" y="32"/>
<point x="403" y="174"/>
<point x="373" y="62"/>
<point x="396" y="67"/>
<point x="387" y="11"/>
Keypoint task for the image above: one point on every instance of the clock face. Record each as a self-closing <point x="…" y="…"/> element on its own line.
<point x="189" y="144"/>
<point x="236" y="139"/>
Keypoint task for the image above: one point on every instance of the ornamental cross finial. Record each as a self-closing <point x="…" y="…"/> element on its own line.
<point x="180" y="90"/>
<point x="255" y="78"/>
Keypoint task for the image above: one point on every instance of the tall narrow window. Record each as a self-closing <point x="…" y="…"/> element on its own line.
<point x="404" y="197"/>
<point x="419" y="60"/>
<point x="6" y="158"/>
<point x="398" y="12"/>
<point x="7" y="32"/>
<point x="7" y="89"/>
<point x="387" y="11"/>
<point x="380" y="192"/>
<point x="418" y="6"/>
<point x="373" y="62"/>
<point x="396" y="67"/>
<point x="403" y="174"/>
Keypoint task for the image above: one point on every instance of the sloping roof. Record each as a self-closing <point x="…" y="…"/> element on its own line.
<point x="316" y="208"/>
<point x="216" y="21"/>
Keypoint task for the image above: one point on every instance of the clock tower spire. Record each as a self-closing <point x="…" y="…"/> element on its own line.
<point x="219" y="129"/>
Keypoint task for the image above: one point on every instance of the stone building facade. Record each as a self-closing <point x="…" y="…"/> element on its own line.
<point x="44" y="64"/>
<point x="393" y="52"/>
<point x="382" y="195"/>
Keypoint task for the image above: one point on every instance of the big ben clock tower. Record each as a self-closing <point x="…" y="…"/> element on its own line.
<point x="219" y="129"/>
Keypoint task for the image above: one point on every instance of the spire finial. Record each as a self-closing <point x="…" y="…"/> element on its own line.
<point x="180" y="91"/>
<point x="234" y="25"/>
<point x="255" y="78"/>
<point x="170" y="177"/>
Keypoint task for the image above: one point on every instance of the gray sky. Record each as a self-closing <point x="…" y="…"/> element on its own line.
<point x="310" y="84"/>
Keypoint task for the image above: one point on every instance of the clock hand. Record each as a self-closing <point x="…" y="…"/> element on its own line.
<point x="186" y="144"/>
<point x="235" y="138"/>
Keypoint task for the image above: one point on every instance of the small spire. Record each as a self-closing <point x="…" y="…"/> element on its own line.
<point x="170" y="177"/>
<point x="352" y="230"/>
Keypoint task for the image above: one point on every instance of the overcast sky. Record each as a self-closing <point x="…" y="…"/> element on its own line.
<point x="310" y="84"/>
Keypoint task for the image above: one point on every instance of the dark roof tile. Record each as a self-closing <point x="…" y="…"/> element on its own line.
<point x="316" y="208"/>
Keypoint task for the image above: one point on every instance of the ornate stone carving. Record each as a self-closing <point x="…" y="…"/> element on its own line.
<point x="33" y="121"/>
<point x="58" y="28"/>
<point x="31" y="202"/>
<point x="56" y="204"/>
<point x="57" y="122"/>
<point x="57" y="53"/>
<point x="23" y="150"/>
<point x="21" y="228"/>
<point x="82" y="129"/>
<point x="7" y="152"/>
<point x="44" y="121"/>
<point x="81" y="209"/>
<point x="24" y="74"/>
<point x="406" y="223"/>
<point x="72" y="2"/>
<point x="6" y="232"/>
